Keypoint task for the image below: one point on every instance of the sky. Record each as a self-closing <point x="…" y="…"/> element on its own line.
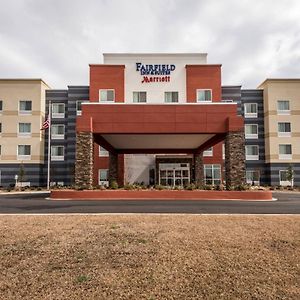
<point x="56" y="39"/>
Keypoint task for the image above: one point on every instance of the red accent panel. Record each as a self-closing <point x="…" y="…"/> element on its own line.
<point x="159" y="195"/>
<point x="107" y="77"/>
<point x="203" y="77"/>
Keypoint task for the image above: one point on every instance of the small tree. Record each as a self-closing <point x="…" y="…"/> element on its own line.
<point x="290" y="175"/>
<point x="21" y="172"/>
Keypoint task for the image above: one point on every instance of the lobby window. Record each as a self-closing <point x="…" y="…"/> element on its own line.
<point x="284" y="129"/>
<point x="283" y="178"/>
<point x="208" y="152"/>
<point x="171" y="97"/>
<point x="1" y="106"/>
<point x="251" y="131"/>
<point x="103" y="176"/>
<point x="250" y="110"/>
<point x="204" y="96"/>
<point x="283" y="107"/>
<point x="252" y="177"/>
<point x="24" y="152"/>
<point x="57" y="153"/>
<point x="139" y="97"/>
<point x="212" y="174"/>
<point x="58" y="110"/>
<point x="285" y="151"/>
<point x="57" y="132"/>
<point x="24" y="130"/>
<point x="252" y="152"/>
<point x="25" y="107"/>
<point x="103" y="152"/>
<point x="107" y="95"/>
<point x="78" y="107"/>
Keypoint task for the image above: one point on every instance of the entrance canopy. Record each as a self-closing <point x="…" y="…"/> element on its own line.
<point x="159" y="128"/>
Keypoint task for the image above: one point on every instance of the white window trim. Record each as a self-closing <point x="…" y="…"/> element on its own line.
<point x="250" y="115"/>
<point x="172" y="99"/>
<point x="21" y="156"/>
<point x="24" y="134"/>
<point x="57" y="136"/>
<point x="285" y="156"/>
<point x="1" y="110"/>
<point x="286" y="182"/>
<point x="107" y="101"/>
<point x="284" y="112"/>
<point x="57" y="157"/>
<point x="204" y="101"/>
<point x="284" y="133"/>
<point x="252" y="157"/>
<point x="138" y="93"/>
<point x="104" y="154"/>
<point x="79" y="112"/>
<point x="24" y="112"/>
<point x="103" y="182"/>
<point x="251" y="135"/>
<point x="256" y="182"/>
<point x="208" y="153"/>
<point x="213" y="179"/>
<point x="58" y="115"/>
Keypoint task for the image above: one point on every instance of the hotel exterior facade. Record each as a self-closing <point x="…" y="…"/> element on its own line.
<point x="153" y="119"/>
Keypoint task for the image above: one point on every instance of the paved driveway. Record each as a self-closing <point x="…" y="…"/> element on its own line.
<point x="287" y="203"/>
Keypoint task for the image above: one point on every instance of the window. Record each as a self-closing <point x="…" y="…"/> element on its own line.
<point x="103" y="176"/>
<point x="252" y="152"/>
<point x="58" y="110"/>
<point x="212" y="174"/>
<point x="204" y="95"/>
<point x="251" y="131"/>
<point x="25" y="107"/>
<point x="284" y="129"/>
<point x="285" y="151"/>
<point x="24" y="152"/>
<point x="24" y="130"/>
<point x="0" y="150"/>
<point x="1" y="106"/>
<point x="283" y="107"/>
<point x="250" y="110"/>
<point x="171" y="97"/>
<point x="283" y="178"/>
<point x="208" y="152"/>
<point x="78" y="107"/>
<point x="107" y="95"/>
<point x="57" y="153"/>
<point x="0" y="128"/>
<point x="103" y="152"/>
<point x="253" y="177"/>
<point x="139" y="97"/>
<point x="57" y="132"/>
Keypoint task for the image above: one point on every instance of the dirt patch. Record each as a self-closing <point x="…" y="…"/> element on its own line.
<point x="150" y="257"/>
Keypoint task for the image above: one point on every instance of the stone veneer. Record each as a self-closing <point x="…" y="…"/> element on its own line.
<point x="235" y="170"/>
<point x="199" y="174"/>
<point x="84" y="160"/>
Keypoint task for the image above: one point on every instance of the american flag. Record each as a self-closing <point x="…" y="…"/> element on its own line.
<point x="46" y="124"/>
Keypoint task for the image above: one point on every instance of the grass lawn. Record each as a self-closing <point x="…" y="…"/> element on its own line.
<point x="150" y="257"/>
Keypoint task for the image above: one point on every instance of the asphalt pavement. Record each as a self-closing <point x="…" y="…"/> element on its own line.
<point x="287" y="203"/>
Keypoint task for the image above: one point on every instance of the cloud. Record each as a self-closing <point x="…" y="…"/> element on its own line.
<point x="56" y="40"/>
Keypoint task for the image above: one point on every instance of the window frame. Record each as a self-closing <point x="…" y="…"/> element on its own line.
<point x="284" y="182"/>
<point x="79" y="112"/>
<point x="214" y="181"/>
<point x="57" y="157"/>
<point x="58" y="115"/>
<point x="285" y="111"/>
<point x="139" y="96"/>
<point x="1" y="106"/>
<point x="172" y="93"/>
<point x="24" y="134"/>
<point x="57" y="136"/>
<point x="284" y="133"/>
<point x="103" y="182"/>
<point x="255" y="182"/>
<point x="103" y="153"/>
<point x="204" y="101"/>
<point x="250" y="115"/>
<point x="285" y="156"/>
<point x="209" y="152"/>
<point x="25" y="112"/>
<point x="106" y="90"/>
<point x="23" y="156"/>
<point x="251" y="135"/>
<point x="252" y="156"/>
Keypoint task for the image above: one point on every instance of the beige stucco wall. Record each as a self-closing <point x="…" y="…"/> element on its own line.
<point x="274" y="90"/>
<point x="11" y="92"/>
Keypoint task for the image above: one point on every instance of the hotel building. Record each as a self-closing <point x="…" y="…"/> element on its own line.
<point x="153" y="119"/>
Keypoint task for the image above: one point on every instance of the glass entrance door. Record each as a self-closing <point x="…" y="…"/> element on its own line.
<point x="174" y="174"/>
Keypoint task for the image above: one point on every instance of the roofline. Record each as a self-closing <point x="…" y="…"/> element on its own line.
<point x="155" y="54"/>
<point x="279" y="80"/>
<point x="25" y="79"/>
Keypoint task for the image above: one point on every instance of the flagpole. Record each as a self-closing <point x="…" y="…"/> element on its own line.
<point x="49" y="146"/>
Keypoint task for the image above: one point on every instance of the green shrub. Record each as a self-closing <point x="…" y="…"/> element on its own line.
<point x="129" y="186"/>
<point x="190" y="187"/>
<point x="207" y="187"/>
<point x="113" y="185"/>
<point x="160" y="187"/>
